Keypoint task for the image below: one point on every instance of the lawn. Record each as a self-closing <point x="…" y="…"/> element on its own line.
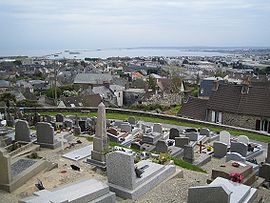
<point x="124" y="116"/>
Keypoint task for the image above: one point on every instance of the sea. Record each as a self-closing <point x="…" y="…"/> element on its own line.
<point x="117" y="52"/>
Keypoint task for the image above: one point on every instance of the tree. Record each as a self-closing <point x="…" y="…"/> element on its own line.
<point x="17" y="62"/>
<point x="7" y="98"/>
<point x="152" y="83"/>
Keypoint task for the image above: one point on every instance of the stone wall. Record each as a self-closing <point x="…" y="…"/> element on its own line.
<point x="243" y="121"/>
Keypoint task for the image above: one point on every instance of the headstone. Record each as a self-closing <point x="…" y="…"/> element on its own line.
<point x="205" y="131"/>
<point x="161" y="147"/>
<point x="151" y="138"/>
<point x="268" y="154"/>
<point x="135" y="145"/>
<point x="181" y="141"/>
<point x="59" y="118"/>
<point x="82" y="124"/>
<point x="240" y="148"/>
<point x="68" y="123"/>
<point x="132" y="120"/>
<point x="188" y="153"/>
<point x="157" y="128"/>
<point x="118" y="123"/>
<point x="264" y="172"/>
<point x="10" y="121"/>
<point x="222" y="190"/>
<point x="243" y="139"/>
<point x="126" y="128"/>
<point x="22" y="131"/>
<point x="49" y="118"/>
<point x="100" y="141"/>
<point x="193" y="136"/>
<point x="77" y="130"/>
<point x="225" y="137"/>
<point x="122" y="177"/>
<point x="220" y="149"/>
<point x="174" y="132"/>
<point x="5" y="167"/>
<point x="45" y="135"/>
<point x="235" y="157"/>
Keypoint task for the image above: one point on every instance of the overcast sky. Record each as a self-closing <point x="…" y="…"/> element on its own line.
<point x="76" y="24"/>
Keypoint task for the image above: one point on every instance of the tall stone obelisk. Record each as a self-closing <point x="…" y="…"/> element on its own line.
<point x="100" y="141"/>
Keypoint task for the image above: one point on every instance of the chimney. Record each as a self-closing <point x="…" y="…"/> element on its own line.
<point x="215" y="85"/>
<point x="245" y="85"/>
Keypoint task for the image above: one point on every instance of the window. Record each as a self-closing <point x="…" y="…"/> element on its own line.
<point x="263" y="125"/>
<point x="216" y="117"/>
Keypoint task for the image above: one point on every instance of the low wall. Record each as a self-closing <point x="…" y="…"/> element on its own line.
<point x="136" y="113"/>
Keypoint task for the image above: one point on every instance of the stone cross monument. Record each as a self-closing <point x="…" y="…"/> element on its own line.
<point x="100" y="141"/>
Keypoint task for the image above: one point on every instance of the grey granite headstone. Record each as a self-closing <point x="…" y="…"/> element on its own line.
<point x="240" y="148"/>
<point x="243" y="139"/>
<point x="68" y="123"/>
<point x="264" y="171"/>
<point x="126" y="128"/>
<point x="268" y="154"/>
<point x="22" y="131"/>
<point x="188" y="153"/>
<point x="181" y="141"/>
<point x="82" y="124"/>
<point x="220" y="149"/>
<point x="59" y="118"/>
<point x="235" y="157"/>
<point x="193" y="136"/>
<point x="174" y="132"/>
<point x="161" y="147"/>
<point x="132" y="120"/>
<point x="135" y="145"/>
<point x="205" y="131"/>
<point x="121" y="170"/>
<point x="45" y="135"/>
<point x="157" y="128"/>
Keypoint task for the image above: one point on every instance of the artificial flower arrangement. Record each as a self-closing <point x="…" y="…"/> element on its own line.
<point x="236" y="177"/>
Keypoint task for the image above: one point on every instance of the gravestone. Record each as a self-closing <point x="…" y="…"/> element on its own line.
<point x="22" y="131"/>
<point x="118" y="123"/>
<point x="122" y="178"/>
<point x="5" y="167"/>
<point x="10" y="121"/>
<point x="222" y="190"/>
<point x="45" y="135"/>
<point x="193" y="136"/>
<point x="240" y="148"/>
<point x="188" y="153"/>
<point x="151" y="138"/>
<point x="135" y="145"/>
<point x="68" y="123"/>
<point x="220" y="149"/>
<point x="268" y="154"/>
<point x="132" y="120"/>
<point x="126" y="128"/>
<point x="157" y="128"/>
<point x="264" y="172"/>
<point x="205" y="131"/>
<point x="174" y="132"/>
<point x="243" y="139"/>
<point x="235" y="157"/>
<point x="161" y="147"/>
<point x="59" y="118"/>
<point x="225" y="137"/>
<point x="112" y="131"/>
<point x="49" y="118"/>
<point x="82" y="124"/>
<point x="181" y="141"/>
<point x="100" y="141"/>
<point x="84" y="191"/>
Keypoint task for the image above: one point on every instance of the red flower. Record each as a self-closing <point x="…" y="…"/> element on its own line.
<point x="236" y="177"/>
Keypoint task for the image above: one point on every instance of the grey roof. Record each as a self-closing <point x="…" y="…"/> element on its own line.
<point x="92" y="78"/>
<point x="4" y="83"/>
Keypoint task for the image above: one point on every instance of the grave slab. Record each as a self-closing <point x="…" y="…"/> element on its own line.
<point x="79" y="154"/>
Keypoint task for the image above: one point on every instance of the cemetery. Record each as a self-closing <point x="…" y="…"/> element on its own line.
<point x="67" y="158"/>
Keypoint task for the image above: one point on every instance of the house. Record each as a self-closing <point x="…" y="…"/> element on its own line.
<point x="82" y="101"/>
<point x="4" y="85"/>
<point x="207" y="85"/>
<point x="236" y="105"/>
<point x="91" y="80"/>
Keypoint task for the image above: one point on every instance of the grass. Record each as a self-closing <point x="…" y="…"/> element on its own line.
<point x="186" y="165"/>
<point x="124" y="116"/>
